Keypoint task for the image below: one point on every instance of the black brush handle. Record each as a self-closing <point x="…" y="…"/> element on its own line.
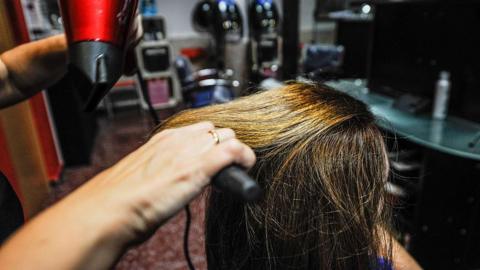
<point x="234" y="180"/>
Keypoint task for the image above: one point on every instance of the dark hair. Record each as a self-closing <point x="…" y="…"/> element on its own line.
<point x="322" y="163"/>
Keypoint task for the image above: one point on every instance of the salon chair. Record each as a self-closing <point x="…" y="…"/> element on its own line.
<point x="206" y="86"/>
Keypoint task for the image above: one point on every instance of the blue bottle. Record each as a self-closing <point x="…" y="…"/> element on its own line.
<point x="148" y="7"/>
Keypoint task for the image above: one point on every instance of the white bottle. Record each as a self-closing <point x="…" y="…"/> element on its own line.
<point x="442" y="94"/>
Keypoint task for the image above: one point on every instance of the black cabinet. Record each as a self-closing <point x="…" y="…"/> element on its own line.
<point x="447" y="227"/>
<point x="437" y="212"/>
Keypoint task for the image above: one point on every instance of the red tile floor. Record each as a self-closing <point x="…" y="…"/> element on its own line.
<point x="117" y="137"/>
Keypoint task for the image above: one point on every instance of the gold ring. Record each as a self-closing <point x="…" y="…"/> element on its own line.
<point x="215" y="136"/>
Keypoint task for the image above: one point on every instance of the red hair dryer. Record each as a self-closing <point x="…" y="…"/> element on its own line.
<point x="97" y="32"/>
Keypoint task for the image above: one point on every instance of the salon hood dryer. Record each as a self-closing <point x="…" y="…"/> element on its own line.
<point x="264" y="19"/>
<point x="97" y="32"/>
<point x="265" y="39"/>
<point x="222" y="19"/>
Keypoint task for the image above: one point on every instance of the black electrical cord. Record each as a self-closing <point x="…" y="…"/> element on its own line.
<point x="186" y="234"/>
<point x="146" y="98"/>
<point x="188" y="214"/>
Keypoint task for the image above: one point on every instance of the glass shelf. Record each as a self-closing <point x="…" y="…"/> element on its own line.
<point x="452" y="135"/>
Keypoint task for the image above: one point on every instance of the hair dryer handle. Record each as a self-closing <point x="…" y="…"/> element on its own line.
<point x="235" y="180"/>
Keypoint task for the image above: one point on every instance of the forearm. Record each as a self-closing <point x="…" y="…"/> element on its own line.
<point x="34" y="66"/>
<point x="73" y="234"/>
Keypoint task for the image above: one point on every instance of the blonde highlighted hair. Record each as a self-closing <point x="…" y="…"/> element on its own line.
<point x="322" y="163"/>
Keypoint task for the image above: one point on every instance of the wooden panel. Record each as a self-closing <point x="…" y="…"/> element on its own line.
<point x="6" y="165"/>
<point x="26" y="155"/>
<point x="42" y="121"/>
<point x="38" y="107"/>
<point x="44" y="131"/>
<point x="17" y="21"/>
<point x="6" y="36"/>
<point x="22" y="133"/>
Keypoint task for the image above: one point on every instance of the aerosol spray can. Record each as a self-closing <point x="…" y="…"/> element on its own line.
<point x="442" y="94"/>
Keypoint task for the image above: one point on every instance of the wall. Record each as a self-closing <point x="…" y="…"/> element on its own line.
<point x="178" y="17"/>
<point x="179" y="23"/>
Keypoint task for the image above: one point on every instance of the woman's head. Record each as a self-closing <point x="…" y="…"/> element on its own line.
<point x="322" y="163"/>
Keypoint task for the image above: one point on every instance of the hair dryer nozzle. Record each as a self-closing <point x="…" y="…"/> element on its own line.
<point x="95" y="67"/>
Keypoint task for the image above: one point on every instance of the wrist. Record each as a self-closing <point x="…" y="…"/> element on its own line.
<point x="36" y="65"/>
<point x="97" y="230"/>
<point x="112" y="214"/>
<point x="54" y="45"/>
<point x="111" y="222"/>
<point x="52" y="52"/>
